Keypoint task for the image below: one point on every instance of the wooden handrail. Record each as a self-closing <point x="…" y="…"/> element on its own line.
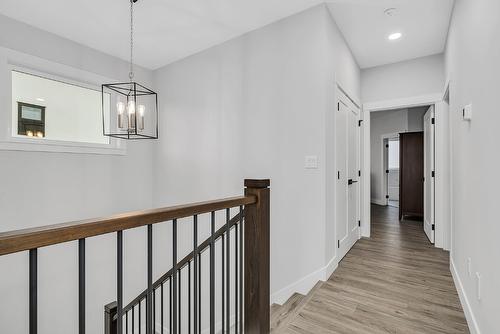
<point x="31" y="238"/>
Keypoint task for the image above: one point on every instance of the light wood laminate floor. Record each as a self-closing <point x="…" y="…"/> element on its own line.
<point x="394" y="282"/>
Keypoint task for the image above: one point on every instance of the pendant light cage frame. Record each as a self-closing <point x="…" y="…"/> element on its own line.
<point x="136" y="113"/>
<point x="139" y="95"/>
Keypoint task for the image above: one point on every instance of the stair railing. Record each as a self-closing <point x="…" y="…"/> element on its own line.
<point x="250" y="230"/>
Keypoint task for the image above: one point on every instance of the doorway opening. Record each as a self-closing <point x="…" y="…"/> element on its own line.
<point x="386" y="129"/>
<point x="407" y="163"/>
<point x="379" y="133"/>
<point x="392" y="171"/>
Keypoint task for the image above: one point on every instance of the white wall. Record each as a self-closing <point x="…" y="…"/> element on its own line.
<point x="421" y="76"/>
<point x="385" y="123"/>
<point x="472" y="64"/>
<point x="254" y="107"/>
<point x="40" y="188"/>
<point x="416" y="118"/>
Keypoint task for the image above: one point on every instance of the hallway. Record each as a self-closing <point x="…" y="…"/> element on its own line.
<point x="394" y="282"/>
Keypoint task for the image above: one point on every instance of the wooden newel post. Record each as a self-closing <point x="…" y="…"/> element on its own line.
<point x="109" y="318"/>
<point x="257" y="260"/>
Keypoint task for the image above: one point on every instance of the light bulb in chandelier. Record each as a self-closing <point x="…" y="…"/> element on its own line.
<point x="120" y="108"/>
<point x="131" y="114"/>
<point x="131" y="107"/>
<point x="141" y="109"/>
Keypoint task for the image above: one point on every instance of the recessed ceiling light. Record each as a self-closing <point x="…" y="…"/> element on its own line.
<point x="390" y="11"/>
<point x="40" y="99"/>
<point x="395" y="36"/>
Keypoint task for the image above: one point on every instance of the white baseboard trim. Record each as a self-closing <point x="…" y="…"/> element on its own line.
<point x="378" y="201"/>
<point x="469" y="315"/>
<point x="330" y="268"/>
<point x="305" y="284"/>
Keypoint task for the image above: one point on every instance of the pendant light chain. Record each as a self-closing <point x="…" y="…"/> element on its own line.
<point x="131" y="73"/>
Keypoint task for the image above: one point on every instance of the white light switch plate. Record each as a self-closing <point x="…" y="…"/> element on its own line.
<point x="467" y="112"/>
<point x="311" y="162"/>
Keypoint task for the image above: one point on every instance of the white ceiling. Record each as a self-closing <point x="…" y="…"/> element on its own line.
<point x="423" y="23"/>
<point x="166" y="30"/>
<point x="169" y="30"/>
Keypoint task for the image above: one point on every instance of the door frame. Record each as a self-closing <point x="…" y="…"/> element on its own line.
<point x="441" y="169"/>
<point x="445" y="185"/>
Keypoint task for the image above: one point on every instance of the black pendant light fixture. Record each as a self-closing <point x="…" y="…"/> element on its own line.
<point x="129" y="109"/>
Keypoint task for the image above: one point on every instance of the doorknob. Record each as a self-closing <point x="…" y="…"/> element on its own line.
<point x="351" y="181"/>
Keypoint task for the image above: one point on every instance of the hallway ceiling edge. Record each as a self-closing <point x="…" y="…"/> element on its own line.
<point x="367" y="24"/>
<point x="177" y="29"/>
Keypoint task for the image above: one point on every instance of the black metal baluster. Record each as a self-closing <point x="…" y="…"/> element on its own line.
<point x="171" y="305"/>
<point x="180" y="296"/>
<point x="139" y="322"/>
<point x="241" y="270"/>
<point x="236" y="250"/>
<point x="133" y="319"/>
<point x="154" y="312"/>
<point x="119" y="282"/>
<point x="189" y="297"/>
<point x="195" y="276"/>
<point x="236" y="227"/>
<point x="228" y="274"/>
<point x="33" y="293"/>
<point x="222" y="283"/>
<point x="174" y="273"/>
<point x="161" y="307"/>
<point x="149" y="297"/>
<point x="199" y="294"/>
<point x="212" y="275"/>
<point x="81" y="286"/>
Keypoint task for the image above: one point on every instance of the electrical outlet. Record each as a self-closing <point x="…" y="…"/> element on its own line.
<point x="469" y="266"/>
<point x="478" y="285"/>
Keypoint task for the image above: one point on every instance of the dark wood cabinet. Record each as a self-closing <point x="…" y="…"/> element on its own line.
<point x="411" y="169"/>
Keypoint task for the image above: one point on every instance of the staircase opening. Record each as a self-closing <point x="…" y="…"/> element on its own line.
<point x="217" y="283"/>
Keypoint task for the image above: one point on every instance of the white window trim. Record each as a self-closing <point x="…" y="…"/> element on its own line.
<point x="16" y="61"/>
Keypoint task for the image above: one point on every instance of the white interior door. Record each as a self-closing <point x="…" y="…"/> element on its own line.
<point x="393" y="170"/>
<point x="385" y="169"/>
<point x="348" y="166"/>
<point x="429" y="173"/>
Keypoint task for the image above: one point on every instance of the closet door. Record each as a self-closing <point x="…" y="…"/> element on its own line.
<point x="347" y="138"/>
<point x="411" y="167"/>
<point x="429" y="184"/>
